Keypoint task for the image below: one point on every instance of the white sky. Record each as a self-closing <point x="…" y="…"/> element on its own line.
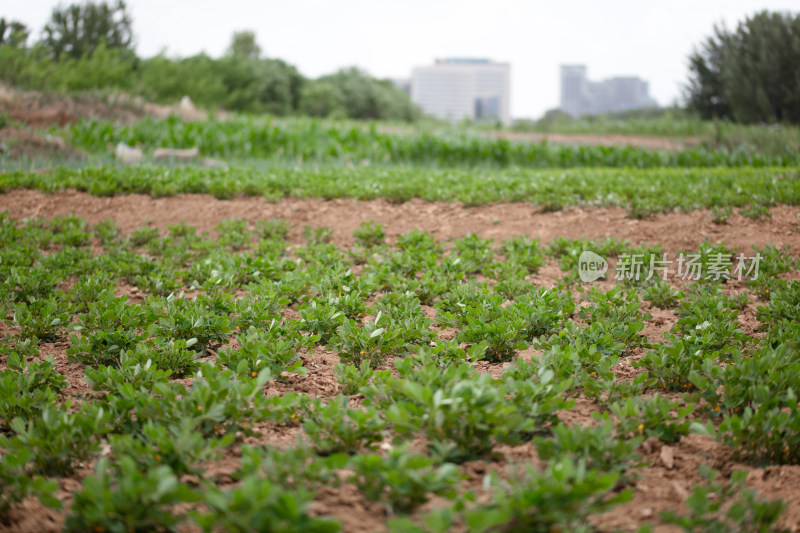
<point x="650" y="39"/>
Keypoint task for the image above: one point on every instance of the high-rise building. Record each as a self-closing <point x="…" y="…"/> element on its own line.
<point x="579" y="96"/>
<point x="458" y="88"/>
<point x="574" y="89"/>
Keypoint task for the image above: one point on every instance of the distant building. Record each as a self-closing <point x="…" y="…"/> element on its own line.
<point x="580" y="96"/>
<point x="458" y="88"/>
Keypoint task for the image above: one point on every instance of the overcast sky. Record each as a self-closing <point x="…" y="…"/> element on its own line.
<point x="650" y="39"/>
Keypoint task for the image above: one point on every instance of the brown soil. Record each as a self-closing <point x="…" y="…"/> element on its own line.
<point x="40" y="110"/>
<point x="676" y="231"/>
<point x="650" y="142"/>
<point x="17" y="143"/>
<point x="664" y="483"/>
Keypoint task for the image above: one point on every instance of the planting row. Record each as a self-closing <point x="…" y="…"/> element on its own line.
<point x="641" y="192"/>
<point x="314" y="141"/>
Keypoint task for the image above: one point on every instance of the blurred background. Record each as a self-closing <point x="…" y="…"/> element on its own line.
<point x="701" y="71"/>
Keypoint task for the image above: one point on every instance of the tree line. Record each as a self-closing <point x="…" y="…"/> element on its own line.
<point x="748" y="75"/>
<point x="91" y="46"/>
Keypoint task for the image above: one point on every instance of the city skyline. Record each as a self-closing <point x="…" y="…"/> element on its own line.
<point x="582" y="96"/>
<point x="388" y="39"/>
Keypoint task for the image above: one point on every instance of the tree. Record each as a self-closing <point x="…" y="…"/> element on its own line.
<point x="259" y="85"/>
<point x="79" y="29"/>
<point x="13" y="33"/>
<point x="751" y="74"/>
<point x="365" y="97"/>
<point x="244" y="45"/>
<point x="321" y="99"/>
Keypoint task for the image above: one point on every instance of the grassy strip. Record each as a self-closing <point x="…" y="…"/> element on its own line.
<point x="306" y="140"/>
<point x="653" y="189"/>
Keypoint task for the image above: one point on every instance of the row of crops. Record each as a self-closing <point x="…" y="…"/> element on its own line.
<point x="409" y="411"/>
<point x="641" y="191"/>
<point x="308" y="141"/>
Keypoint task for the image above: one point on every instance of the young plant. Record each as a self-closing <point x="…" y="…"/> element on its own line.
<point x="273" y="228"/>
<point x="524" y="251"/>
<point x="651" y="417"/>
<point x="176" y="357"/>
<point x="473" y="253"/>
<point x="717" y="506"/>
<point x="402" y="479"/>
<point x="369" y="234"/>
<point x="720" y="214"/>
<point x="448" y="353"/>
<point x="561" y="496"/>
<point x="336" y="428"/>
<point x="179" y="446"/>
<point x="109" y="327"/>
<point x="43" y="319"/>
<point x="544" y="311"/>
<point x="107" y="232"/>
<point x="662" y="295"/>
<point x="353" y="378"/>
<point x="321" y="235"/>
<point x="293" y="469"/>
<point x="259" y="504"/>
<point x="503" y="336"/>
<point x="90" y="289"/>
<point x="233" y="234"/>
<point x="184" y="318"/>
<point x="259" y="308"/>
<point x="128" y="498"/>
<point x="274" y="349"/>
<point x="30" y="284"/>
<point x="461" y="417"/>
<point x="756" y="212"/>
<point x="58" y="439"/>
<point x="27" y="389"/>
<point x="140" y="375"/>
<point x="18" y="484"/>
<point x="321" y="318"/>
<point x="373" y="342"/>
<point x="598" y="446"/>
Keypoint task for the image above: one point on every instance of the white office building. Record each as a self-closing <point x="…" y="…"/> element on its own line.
<point x="455" y="89"/>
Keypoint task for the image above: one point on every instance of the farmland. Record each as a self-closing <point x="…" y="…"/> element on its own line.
<point x="366" y="331"/>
